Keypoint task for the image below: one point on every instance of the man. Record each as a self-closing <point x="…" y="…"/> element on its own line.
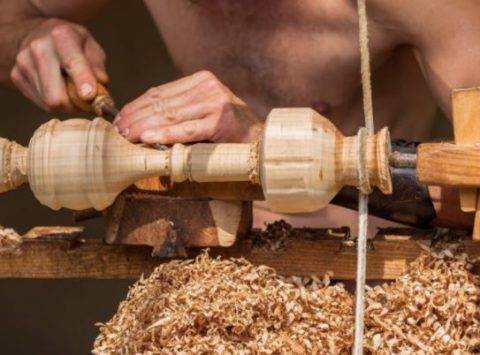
<point x="240" y="58"/>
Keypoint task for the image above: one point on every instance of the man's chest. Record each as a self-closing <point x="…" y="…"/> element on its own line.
<point x="286" y="53"/>
<point x="287" y="48"/>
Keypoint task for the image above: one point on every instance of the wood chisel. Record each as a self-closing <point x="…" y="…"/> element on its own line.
<point x="102" y="104"/>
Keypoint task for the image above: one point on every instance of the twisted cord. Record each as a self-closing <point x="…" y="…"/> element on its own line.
<point x="364" y="187"/>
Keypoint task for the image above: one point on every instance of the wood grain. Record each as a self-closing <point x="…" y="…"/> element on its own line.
<point x="305" y="161"/>
<point x="313" y="254"/>
<point x="449" y="164"/>
<point x="466" y="126"/>
<point x="301" y="162"/>
<point x="170" y="224"/>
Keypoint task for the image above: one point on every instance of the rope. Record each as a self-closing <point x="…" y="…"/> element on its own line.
<point x="365" y="66"/>
<point x="364" y="186"/>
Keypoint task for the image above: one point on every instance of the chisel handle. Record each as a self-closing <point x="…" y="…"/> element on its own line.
<point x="102" y="104"/>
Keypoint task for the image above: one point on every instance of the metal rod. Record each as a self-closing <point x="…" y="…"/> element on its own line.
<point x="403" y="160"/>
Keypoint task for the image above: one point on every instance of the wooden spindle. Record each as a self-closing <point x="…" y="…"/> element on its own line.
<point x="302" y="162"/>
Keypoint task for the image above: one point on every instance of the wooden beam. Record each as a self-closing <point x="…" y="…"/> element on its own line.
<point x="312" y="253"/>
<point x="449" y="164"/>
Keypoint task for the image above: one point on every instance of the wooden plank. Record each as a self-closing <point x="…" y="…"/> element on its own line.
<point x="312" y="254"/>
<point x="448" y="164"/>
<point x="170" y="224"/>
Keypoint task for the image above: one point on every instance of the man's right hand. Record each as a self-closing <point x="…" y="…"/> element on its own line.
<point x="51" y="48"/>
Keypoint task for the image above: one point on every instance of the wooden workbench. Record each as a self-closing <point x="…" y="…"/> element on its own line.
<point x="60" y="252"/>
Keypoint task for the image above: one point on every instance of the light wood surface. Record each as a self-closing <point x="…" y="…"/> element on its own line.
<point x="449" y="164"/>
<point x="466" y="125"/>
<point x="80" y="164"/>
<point x="303" y="161"/>
<point x="64" y="256"/>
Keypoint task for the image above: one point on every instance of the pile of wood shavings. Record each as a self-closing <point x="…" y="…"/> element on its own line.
<point x="228" y="306"/>
<point x="231" y="306"/>
<point x="433" y="308"/>
<point x="9" y="240"/>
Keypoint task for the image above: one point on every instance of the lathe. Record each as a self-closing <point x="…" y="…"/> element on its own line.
<point x="300" y="163"/>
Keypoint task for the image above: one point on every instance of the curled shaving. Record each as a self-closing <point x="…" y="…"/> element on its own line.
<point x="231" y="306"/>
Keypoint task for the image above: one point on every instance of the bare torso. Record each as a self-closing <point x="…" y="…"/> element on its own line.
<point x="276" y="53"/>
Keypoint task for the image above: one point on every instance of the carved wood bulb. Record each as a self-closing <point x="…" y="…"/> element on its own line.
<point x="302" y="161"/>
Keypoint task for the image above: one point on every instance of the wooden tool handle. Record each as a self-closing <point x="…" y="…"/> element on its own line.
<point x="95" y="105"/>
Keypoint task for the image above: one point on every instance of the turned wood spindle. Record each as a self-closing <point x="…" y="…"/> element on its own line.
<point x="302" y="161"/>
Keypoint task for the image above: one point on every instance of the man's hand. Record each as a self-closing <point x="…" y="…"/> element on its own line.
<point x="53" y="47"/>
<point x="195" y="108"/>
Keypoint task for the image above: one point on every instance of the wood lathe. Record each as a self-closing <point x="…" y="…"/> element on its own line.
<point x="300" y="163"/>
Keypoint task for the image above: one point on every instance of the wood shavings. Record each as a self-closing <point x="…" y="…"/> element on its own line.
<point x="231" y="306"/>
<point x="228" y="306"/>
<point x="275" y="237"/>
<point x="9" y="240"/>
<point x="433" y="308"/>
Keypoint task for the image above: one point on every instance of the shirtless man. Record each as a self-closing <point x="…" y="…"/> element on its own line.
<point x="240" y="58"/>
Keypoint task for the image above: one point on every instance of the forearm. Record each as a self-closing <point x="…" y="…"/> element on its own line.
<point x="20" y="18"/>
<point x="17" y="19"/>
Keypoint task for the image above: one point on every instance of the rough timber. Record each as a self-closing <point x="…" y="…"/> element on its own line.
<point x="65" y="253"/>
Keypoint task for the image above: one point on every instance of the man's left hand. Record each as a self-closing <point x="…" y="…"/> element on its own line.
<point x="195" y="108"/>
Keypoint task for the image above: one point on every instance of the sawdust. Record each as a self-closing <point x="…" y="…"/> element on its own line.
<point x="433" y="308"/>
<point x="231" y="306"/>
<point x="228" y="306"/>
<point x="9" y="240"/>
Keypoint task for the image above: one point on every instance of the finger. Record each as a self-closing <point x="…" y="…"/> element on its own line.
<point x="51" y="81"/>
<point x="196" y="111"/>
<point x="27" y="68"/>
<point x="96" y="57"/>
<point x="134" y="132"/>
<point x="22" y="83"/>
<point x="190" y="131"/>
<point x="69" y="47"/>
<point x="167" y="90"/>
<point x="170" y="110"/>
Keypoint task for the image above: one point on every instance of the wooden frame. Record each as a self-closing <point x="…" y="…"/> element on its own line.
<point x="65" y="253"/>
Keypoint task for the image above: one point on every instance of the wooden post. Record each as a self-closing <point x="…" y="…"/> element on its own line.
<point x="466" y="125"/>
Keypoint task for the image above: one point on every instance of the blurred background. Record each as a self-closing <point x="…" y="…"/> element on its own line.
<point x="58" y="316"/>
